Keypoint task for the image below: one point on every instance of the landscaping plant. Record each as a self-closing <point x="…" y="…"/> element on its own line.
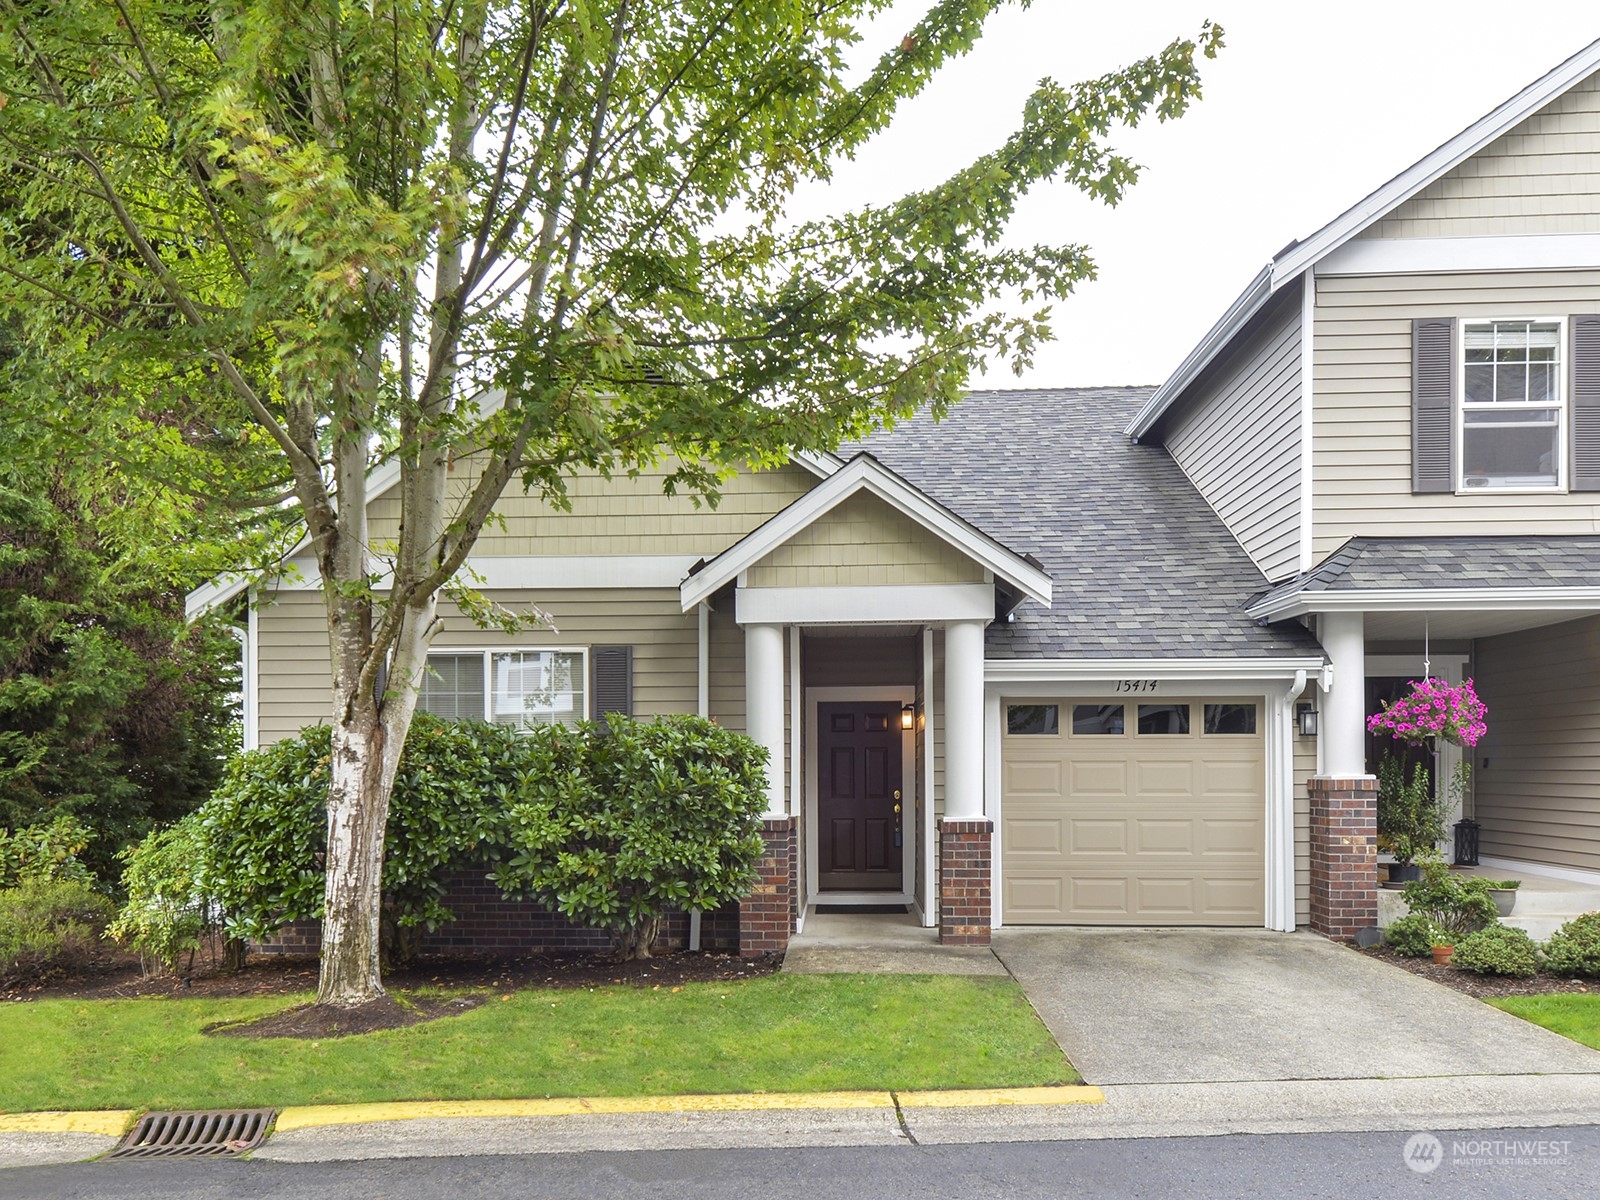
<point x="46" y="924"/>
<point x="44" y="852"/>
<point x="1457" y="904"/>
<point x="1410" y="818"/>
<point x="1498" y="950"/>
<point x="1413" y="936"/>
<point x="622" y="820"/>
<point x="1411" y="813"/>
<point x="170" y="912"/>
<point x="1574" y="949"/>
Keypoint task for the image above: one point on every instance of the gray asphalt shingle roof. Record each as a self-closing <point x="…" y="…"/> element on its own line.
<point x="1366" y="563"/>
<point x="1141" y="566"/>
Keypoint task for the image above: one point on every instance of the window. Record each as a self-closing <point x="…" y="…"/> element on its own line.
<point x="1163" y="718"/>
<point x="520" y="687"/>
<point x="1026" y="719"/>
<point x="1097" y="718"/>
<point x="1230" y="718"/>
<point x="1512" y="405"/>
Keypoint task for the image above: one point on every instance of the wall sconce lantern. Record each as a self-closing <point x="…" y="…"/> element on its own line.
<point x="908" y="716"/>
<point x="1306" y="718"/>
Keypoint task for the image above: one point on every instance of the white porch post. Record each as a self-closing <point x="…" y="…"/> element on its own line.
<point x="763" y="705"/>
<point x="963" y="726"/>
<point x="1344" y="724"/>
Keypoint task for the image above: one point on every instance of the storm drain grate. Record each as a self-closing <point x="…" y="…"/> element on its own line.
<point x="195" y="1134"/>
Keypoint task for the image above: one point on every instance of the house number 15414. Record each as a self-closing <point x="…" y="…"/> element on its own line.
<point x="1136" y="685"/>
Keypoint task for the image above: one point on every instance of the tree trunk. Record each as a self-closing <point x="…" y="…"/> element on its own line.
<point x="358" y="810"/>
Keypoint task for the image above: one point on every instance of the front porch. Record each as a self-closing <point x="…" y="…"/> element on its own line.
<point x="876" y="943"/>
<point x="1544" y="902"/>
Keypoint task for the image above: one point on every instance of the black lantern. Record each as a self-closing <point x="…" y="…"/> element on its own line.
<point x="1466" y="842"/>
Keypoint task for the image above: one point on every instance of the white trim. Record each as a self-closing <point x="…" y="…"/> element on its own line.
<point x="1459" y="409"/>
<point x="1035" y="671"/>
<point x="488" y="670"/>
<point x="927" y="791"/>
<point x="1441" y="255"/>
<point x="1302" y="255"/>
<point x="865" y="473"/>
<point x="249" y="693"/>
<point x="1308" y="389"/>
<point x="1570" y="874"/>
<point x="908" y="754"/>
<point x="904" y="604"/>
<point x="536" y="572"/>
<point x="819" y="462"/>
<point x="1481" y="599"/>
<point x="702" y="704"/>
<point x="863" y="899"/>
<point x="1280" y="804"/>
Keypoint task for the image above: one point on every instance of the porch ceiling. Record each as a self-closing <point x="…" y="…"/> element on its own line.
<point x="1445" y="626"/>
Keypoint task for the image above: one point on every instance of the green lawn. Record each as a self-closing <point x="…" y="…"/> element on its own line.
<point x="779" y="1033"/>
<point x="1571" y="1014"/>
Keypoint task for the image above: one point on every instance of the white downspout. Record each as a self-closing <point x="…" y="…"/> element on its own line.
<point x="250" y="736"/>
<point x="703" y="708"/>
<point x="1280" y="814"/>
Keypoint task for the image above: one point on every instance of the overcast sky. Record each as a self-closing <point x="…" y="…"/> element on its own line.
<point x="1307" y="109"/>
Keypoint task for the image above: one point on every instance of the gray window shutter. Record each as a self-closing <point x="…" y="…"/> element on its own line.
<point x="1433" y="394"/>
<point x="611" y="680"/>
<point x="1585" y="425"/>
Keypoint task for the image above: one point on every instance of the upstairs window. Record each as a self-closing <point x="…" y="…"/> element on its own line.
<point x="1512" y="405"/>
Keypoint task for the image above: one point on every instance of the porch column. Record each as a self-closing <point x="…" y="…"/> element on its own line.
<point x="763" y="705"/>
<point x="1344" y="719"/>
<point x="966" y="835"/>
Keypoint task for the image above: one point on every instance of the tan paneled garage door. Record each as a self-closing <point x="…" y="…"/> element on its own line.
<point x="1133" y="812"/>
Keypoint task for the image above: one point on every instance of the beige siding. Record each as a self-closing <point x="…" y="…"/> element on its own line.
<point x="293" y="648"/>
<point x="1362" y="433"/>
<point x="1539" y="798"/>
<point x="618" y="516"/>
<point x="1305" y="766"/>
<point x="863" y="543"/>
<point x="1239" y="443"/>
<point x="1541" y="177"/>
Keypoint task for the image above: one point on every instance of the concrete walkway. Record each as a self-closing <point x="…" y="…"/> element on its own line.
<point x="1226" y="1006"/>
<point x="880" y="944"/>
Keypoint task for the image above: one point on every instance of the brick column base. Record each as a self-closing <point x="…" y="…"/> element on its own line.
<point x="965" y="856"/>
<point x="766" y="916"/>
<point x="1344" y="855"/>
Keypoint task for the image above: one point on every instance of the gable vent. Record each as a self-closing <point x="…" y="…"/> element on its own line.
<point x="1586" y="404"/>
<point x="1432" y="400"/>
<point x="611" y="669"/>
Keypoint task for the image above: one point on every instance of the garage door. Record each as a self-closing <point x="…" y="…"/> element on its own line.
<point x="1133" y="812"/>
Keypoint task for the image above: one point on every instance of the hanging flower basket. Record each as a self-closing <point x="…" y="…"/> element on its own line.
<point x="1434" y="709"/>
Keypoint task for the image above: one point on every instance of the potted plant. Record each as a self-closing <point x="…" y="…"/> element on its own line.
<point x="1442" y="955"/>
<point x="1504" y="894"/>
<point x="1410" y="812"/>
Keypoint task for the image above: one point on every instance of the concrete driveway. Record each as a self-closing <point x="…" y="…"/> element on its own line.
<point x="1224" y="1006"/>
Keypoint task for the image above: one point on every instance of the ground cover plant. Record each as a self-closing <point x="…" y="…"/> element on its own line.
<point x="777" y="1033"/>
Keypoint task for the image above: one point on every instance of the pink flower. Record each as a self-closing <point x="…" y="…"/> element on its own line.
<point x="1434" y="708"/>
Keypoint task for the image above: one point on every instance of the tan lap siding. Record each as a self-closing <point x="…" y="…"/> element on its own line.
<point x="1539" y="798"/>
<point x="1305" y="766"/>
<point x="1362" y="441"/>
<point x="863" y="543"/>
<point x="293" y="647"/>
<point x="1541" y="177"/>
<point x="1239" y="442"/>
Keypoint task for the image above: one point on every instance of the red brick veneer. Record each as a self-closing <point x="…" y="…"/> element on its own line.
<point x="1344" y="855"/>
<point x="966" y="849"/>
<point x="766" y="916"/>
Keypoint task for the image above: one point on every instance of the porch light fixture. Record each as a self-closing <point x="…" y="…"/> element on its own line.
<point x="908" y="716"/>
<point x="1306" y="717"/>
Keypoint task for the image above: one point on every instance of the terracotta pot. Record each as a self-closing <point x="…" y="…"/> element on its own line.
<point x="1442" y="955"/>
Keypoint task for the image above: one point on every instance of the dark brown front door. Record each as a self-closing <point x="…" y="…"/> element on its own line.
<point x="858" y="794"/>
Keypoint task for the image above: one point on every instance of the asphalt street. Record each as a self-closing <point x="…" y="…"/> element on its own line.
<point x="1497" y="1164"/>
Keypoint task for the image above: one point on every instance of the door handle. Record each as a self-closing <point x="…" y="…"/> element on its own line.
<point x="897" y="793"/>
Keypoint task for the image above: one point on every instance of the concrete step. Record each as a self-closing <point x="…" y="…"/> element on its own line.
<point x="1539" y="928"/>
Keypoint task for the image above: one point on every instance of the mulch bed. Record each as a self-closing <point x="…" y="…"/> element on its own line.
<point x="115" y="976"/>
<point x="1484" y="987"/>
<point x="310" y="1022"/>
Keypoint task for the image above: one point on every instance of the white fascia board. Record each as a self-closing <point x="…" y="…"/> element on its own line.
<point x="900" y="604"/>
<point x="819" y="462"/>
<point x="865" y="473"/>
<point x="1488" y="599"/>
<point x="1105" y="670"/>
<point x="1447" y="157"/>
<point x="543" y="573"/>
<point x="1248" y="304"/>
<point x="1397" y="256"/>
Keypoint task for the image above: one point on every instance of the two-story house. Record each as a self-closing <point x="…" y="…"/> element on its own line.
<point x="1058" y="658"/>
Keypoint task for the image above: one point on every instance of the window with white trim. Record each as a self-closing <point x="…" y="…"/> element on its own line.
<point x="1513" y="423"/>
<point x="515" y="687"/>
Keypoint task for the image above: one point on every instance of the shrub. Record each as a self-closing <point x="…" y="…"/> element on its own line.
<point x="265" y="827"/>
<point x="1498" y="950"/>
<point x="1413" y="936"/>
<point x="40" y="853"/>
<point x="621" y="821"/>
<point x="48" y="924"/>
<point x="1574" y="949"/>
<point x="170" y="913"/>
<point x="1458" y="904"/>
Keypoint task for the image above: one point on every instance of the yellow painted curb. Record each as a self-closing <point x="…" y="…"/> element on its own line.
<point x="990" y="1097"/>
<point x="311" y="1116"/>
<point x="112" y="1123"/>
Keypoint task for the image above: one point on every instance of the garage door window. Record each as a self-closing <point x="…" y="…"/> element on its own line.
<point x="1163" y="718"/>
<point x="1230" y="719"/>
<point x="1024" y="720"/>
<point x="1097" y="718"/>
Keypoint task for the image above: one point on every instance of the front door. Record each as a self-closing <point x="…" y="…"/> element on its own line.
<point x="859" y="803"/>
